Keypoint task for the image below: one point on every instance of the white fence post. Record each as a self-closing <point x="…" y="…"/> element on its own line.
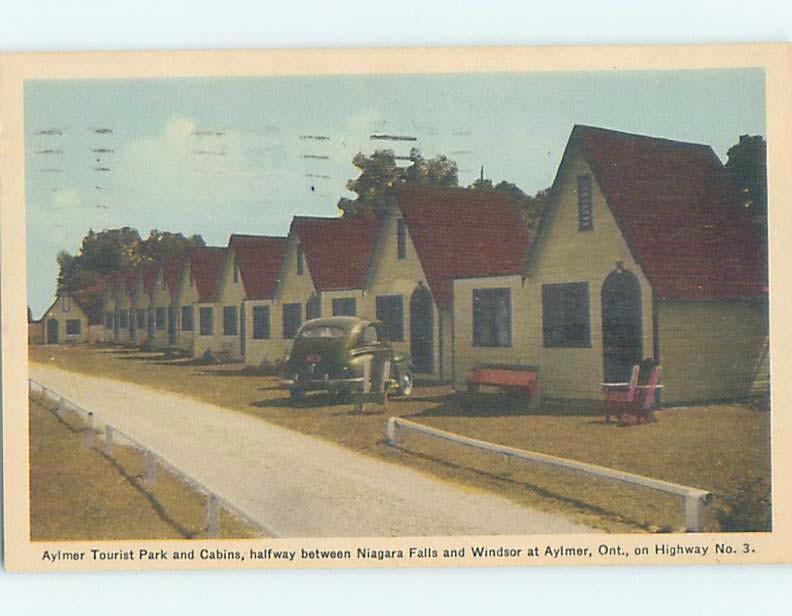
<point x="393" y="432"/>
<point x="108" y="440"/>
<point x="150" y="469"/>
<point x="694" y="512"/>
<point x="212" y="515"/>
<point x="90" y="431"/>
<point x="360" y="402"/>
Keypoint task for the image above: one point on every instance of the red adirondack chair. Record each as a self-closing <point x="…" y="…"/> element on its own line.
<point x="618" y="394"/>
<point x="633" y="399"/>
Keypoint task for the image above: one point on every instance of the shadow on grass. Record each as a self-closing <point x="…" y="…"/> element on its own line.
<point x="575" y="503"/>
<point x="132" y="480"/>
<point x="159" y="509"/>
<point x="463" y="404"/>
<point x="311" y="401"/>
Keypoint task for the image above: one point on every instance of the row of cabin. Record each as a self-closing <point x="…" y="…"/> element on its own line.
<point x="643" y="250"/>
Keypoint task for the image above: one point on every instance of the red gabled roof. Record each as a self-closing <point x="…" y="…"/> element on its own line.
<point x="206" y="263"/>
<point x="337" y="250"/>
<point x="679" y="213"/>
<point x="259" y="259"/>
<point x="463" y="233"/>
<point x="171" y="270"/>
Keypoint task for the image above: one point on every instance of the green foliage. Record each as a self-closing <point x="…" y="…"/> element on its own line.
<point x="114" y="249"/>
<point x="531" y="208"/>
<point x="748" y="510"/>
<point x="379" y="173"/>
<point x="747" y="165"/>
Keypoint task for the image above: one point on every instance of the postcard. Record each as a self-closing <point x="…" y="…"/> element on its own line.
<point x="395" y="307"/>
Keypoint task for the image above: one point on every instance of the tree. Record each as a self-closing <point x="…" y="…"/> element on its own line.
<point x="114" y="249"/>
<point x="161" y="244"/>
<point x="747" y="166"/>
<point x="530" y="207"/>
<point x="379" y="173"/>
<point x="437" y="171"/>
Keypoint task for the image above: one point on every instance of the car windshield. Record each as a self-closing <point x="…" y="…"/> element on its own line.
<point x="322" y="331"/>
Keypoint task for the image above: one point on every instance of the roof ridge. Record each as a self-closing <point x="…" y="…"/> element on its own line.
<point x="623" y="133"/>
<point x="255" y="237"/>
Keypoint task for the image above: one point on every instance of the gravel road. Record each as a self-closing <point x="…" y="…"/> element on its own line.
<point x="295" y="485"/>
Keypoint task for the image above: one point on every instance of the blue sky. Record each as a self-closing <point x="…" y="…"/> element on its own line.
<point x="217" y="156"/>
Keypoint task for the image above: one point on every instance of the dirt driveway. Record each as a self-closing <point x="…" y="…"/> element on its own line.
<point x="293" y="484"/>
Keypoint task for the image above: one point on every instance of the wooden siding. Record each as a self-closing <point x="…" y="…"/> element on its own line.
<point x="186" y="295"/>
<point x="565" y="255"/>
<point x="59" y="312"/>
<point x="160" y="299"/>
<point x="393" y="276"/>
<point x="710" y="350"/>
<point x="259" y="352"/>
<point x="229" y="293"/>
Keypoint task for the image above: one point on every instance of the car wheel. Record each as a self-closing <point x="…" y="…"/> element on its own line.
<point x="297" y="394"/>
<point x="406" y="382"/>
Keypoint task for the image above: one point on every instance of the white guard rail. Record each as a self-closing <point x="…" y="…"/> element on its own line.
<point x="153" y="460"/>
<point x="695" y="499"/>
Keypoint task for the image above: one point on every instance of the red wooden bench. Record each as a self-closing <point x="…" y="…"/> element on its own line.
<point x="507" y="377"/>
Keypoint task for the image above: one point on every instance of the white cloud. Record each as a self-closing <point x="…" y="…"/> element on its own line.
<point x="65" y="199"/>
<point x="178" y="168"/>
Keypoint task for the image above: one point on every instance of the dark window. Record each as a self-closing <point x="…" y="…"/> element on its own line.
<point x="313" y="308"/>
<point x="261" y="322"/>
<point x="187" y="318"/>
<point x="292" y="319"/>
<point x="109" y="320"/>
<point x="585" y="214"/>
<point x="492" y="317"/>
<point x="300" y="260"/>
<point x="390" y="310"/>
<point x="206" y="317"/>
<point x="73" y="327"/>
<point x="229" y="320"/>
<point x="123" y="319"/>
<point x="565" y="315"/>
<point x="141" y="318"/>
<point x="159" y="318"/>
<point x="401" y="239"/>
<point x="171" y="319"/>
<point x="344" y="306"/>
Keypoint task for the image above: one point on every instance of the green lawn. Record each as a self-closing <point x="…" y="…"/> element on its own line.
<point x="721" y="448"/>
<point x="79" y="493"/>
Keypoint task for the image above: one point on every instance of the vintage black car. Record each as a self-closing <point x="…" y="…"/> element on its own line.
<point x="329" y="354"/>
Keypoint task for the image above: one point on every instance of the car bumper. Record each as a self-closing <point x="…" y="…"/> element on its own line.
<point x="308" y="384"/>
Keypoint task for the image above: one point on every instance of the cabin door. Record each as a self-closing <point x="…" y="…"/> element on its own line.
<point x="421" y="330"/>
<point x="622" y="328"/>
<point x="52" y="331"/>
